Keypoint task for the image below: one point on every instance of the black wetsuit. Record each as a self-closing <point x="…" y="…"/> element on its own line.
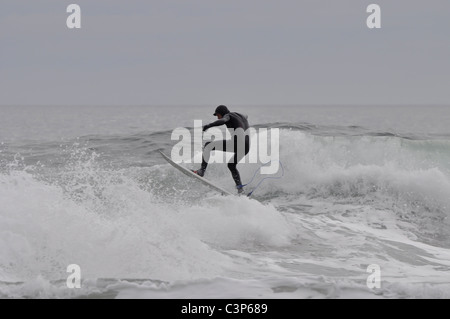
<point x="239" y="143"/>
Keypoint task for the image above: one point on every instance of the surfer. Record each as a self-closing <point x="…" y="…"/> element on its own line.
<point x="239" y="144"/>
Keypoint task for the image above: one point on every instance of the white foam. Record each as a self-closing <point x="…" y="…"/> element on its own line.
<point x="235" y="222"/>
<point x="113" y="228"/>
<point x="43" y="231"/>
<point x="390" y="172"/>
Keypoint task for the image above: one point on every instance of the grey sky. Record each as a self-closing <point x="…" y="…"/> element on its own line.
<point x="225" y="52"/>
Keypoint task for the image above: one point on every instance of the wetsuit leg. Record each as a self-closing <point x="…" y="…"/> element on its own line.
<point x="216" y="145"/>
<point x="228" y="146"/>
<point x="232" y="166"/>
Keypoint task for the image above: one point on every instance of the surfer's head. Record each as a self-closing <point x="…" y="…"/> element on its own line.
<point x="221" y="110"/>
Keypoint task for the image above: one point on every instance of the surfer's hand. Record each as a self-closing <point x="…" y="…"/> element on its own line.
<point x="205" y="127"/>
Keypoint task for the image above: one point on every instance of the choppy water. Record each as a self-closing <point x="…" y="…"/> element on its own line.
<point x="362" y="186"/>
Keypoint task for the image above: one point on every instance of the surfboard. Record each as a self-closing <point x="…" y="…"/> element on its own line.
<point x="191" y="174"/>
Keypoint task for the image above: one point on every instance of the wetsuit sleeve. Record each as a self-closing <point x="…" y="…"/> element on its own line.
<point x="220" y="122"/>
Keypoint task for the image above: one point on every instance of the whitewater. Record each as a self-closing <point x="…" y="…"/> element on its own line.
<point x="362" y="186"/>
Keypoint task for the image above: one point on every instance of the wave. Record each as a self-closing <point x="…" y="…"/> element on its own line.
<point x="411" y="178"/>
<point x="120" y="219"/>
<point x="117" y="224"/>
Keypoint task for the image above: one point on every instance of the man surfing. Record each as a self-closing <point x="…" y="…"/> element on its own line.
<point x="239" y="144"/>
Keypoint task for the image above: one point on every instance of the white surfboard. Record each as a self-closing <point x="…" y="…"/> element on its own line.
<point x="192" y="174"/>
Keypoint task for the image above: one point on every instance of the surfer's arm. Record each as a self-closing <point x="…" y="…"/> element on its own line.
<point x="220" y="122"/>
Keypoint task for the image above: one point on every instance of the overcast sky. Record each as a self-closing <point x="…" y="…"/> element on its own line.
<point x="212" y="52"/>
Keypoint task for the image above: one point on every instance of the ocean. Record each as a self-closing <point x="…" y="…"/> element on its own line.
<point x="361" y="210"/>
